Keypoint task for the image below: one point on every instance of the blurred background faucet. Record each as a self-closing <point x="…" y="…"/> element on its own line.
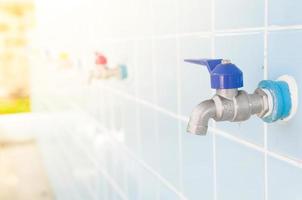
<point x="102" y="71"/>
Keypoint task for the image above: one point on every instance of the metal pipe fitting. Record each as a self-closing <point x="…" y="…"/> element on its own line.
<point x="226" y="106"/>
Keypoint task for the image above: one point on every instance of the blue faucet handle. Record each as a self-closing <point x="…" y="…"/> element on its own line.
<point x="224" y="75"/>
<point x="209" y="63"/>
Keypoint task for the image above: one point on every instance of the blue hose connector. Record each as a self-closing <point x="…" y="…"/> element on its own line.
<point x="281" y="97"/>
<point x="123" y="71"/>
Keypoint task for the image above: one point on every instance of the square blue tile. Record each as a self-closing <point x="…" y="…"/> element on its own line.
<point x="103" y="151"/>
<point x="165" y="61"/>
<point x="144" y="21"/>
<point x="114" y="195"/>
<point x="284" y="180"/>
<point x="109" y="121"/>
<point x="194" y="79"/>
<point x="167" y="194"/>
<point x="101" y="29"/>
<point x="247" y="52"/>
<point x="133" y="180"/>
<point x="284" y="12"/>
<point x="164" y="15"/>
<point x="285" y="58"/>
<point x="102" y="184"/>
<point x="230" y="14"/>
<point x="119" y="171"/>
<point x="145" y="70"/>
<point x="118" y="110"/>
<point x="115" y="11"/>
<point x="240" y="171"/>
<point x="194" y="15"/>
<point x="197" y="158"/>
<point x="169" y="148"/>
<point x="149" y="137"/>
<point x="109" y="166"/>
<point x="130" y="121"/>
<point x="149" y="189"/>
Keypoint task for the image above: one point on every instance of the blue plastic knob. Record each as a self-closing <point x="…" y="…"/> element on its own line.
<point x="223" y="75"/>
<point x="282" y="102"/>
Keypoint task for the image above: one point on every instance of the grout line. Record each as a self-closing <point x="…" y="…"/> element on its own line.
<point x="179" y="83"/>
<point x="265" y="73"/>
<point x="135" y="158"/>
<point x="213" y="54"/>
<point x="67" y="159"/>
<point x="155" y="173"/>
<point x="137" y="115"/>
<point x="109" y="179"/>
<point x="293" y="162"/>
<point x="207" y="34"/>
<point x="225" y="34"/>
<point x="58" y="141"/>
<point x="281" y="28"/>
<point x="237" y="140"/>
<point x="290" y="160"/>
<point x="150" y="169"/>
<point x="144" y="102"/>
<point x="155" y="97"/>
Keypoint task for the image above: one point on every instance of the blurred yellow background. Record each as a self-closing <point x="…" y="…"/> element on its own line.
<point x="16" y="20"/>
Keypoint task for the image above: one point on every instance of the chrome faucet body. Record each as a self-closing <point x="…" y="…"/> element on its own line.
<point x="228" y="105"/>
<point x="271" y="101"/>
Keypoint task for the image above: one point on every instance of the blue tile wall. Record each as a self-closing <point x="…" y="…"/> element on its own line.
<point x="240" y="172"/>
<point x="165" y="64"/>
<point x="197" y="165"/>
<point x="194" y="16"/>
<point x="149" y="137"/>
<point x="282" y="12"/>
<point x="149" y="190"/>
<point x="284" y="58"/>
<point x="143" y="11"/>
<point x="166" y="194"/>
<point x="250" y="60"/>
<point x="145" y="70"/>
<point x="164" y="12"/>
<point x="169" y="149"/>
<point x="231" y="14"/>
<point x="284" y="181"/>
<point x="134" y="130"/>
<point x="131" y="137"/>
<point x="133" y="180"/>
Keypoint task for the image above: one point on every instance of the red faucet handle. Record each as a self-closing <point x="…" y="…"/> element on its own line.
<point x="100" y="59"/>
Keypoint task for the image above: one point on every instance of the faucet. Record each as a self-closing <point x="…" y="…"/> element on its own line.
<point x="102" y="71"/>
<point x="271" y="101"/>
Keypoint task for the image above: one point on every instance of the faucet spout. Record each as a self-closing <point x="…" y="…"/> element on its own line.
<point x="200" y="117"/>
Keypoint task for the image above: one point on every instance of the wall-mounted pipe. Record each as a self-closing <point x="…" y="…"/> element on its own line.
<point x="271" y="101"/>
<point x="102" y="71"/>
